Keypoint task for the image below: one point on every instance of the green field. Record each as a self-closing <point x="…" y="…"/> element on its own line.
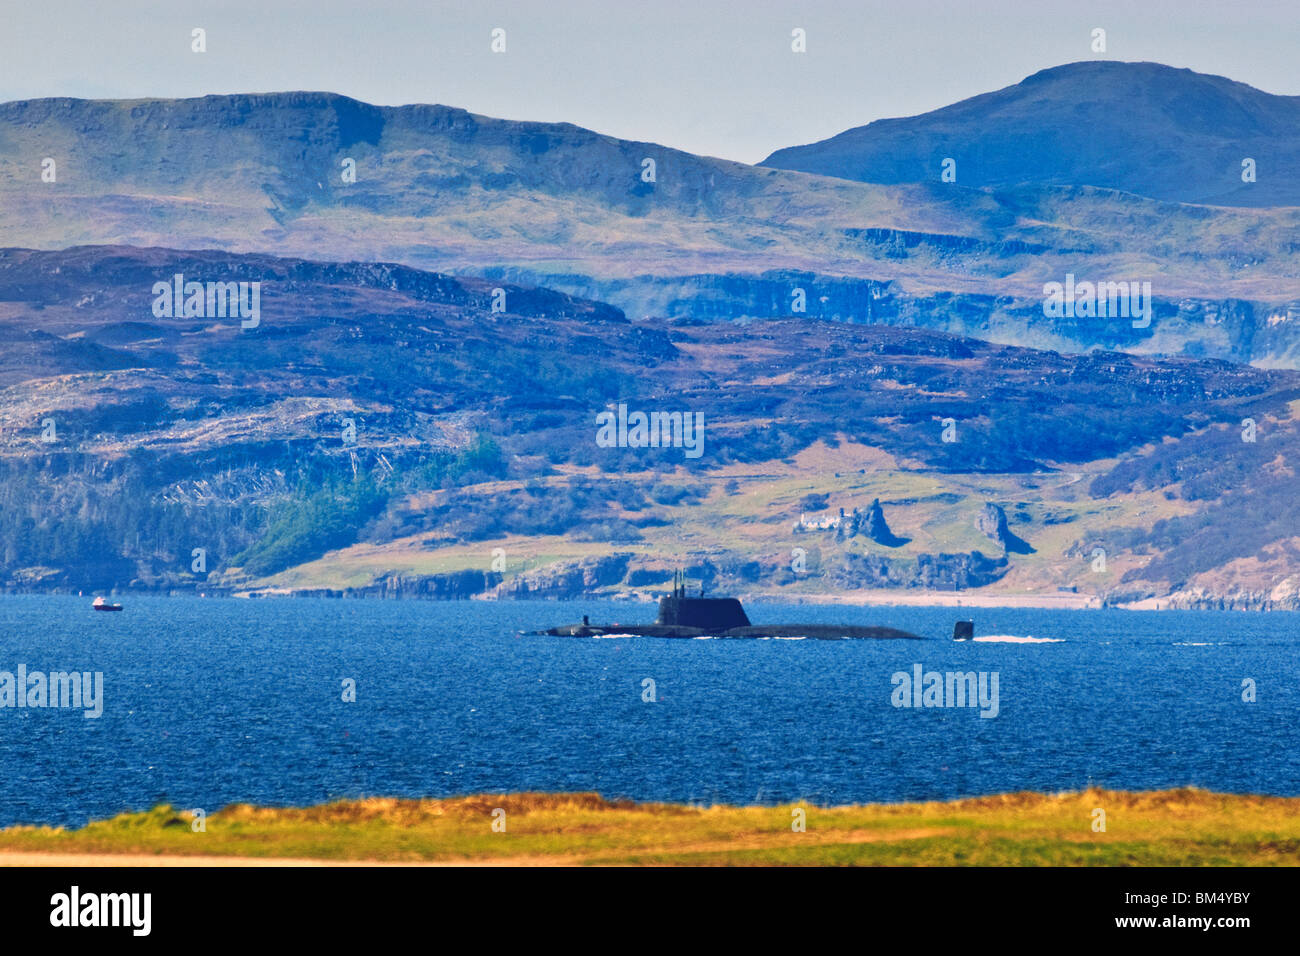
<point x="1186" y="827"/>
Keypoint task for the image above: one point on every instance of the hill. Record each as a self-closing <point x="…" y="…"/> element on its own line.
<point x="1143" y="128"/>
<point x="384" y="429"/>
<point x="567" y="208"/>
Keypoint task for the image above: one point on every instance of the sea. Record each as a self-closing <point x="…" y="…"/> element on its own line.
<point x="298" y="701"/>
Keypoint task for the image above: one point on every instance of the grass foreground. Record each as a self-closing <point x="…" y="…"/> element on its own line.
<point x="1185" y="827"/>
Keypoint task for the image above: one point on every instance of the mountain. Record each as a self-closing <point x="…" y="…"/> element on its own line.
<point x="409" y="384"/>
<point x="1143" y="128"/>
<point x="555" y="205"/>
<point x="380" y="429"/>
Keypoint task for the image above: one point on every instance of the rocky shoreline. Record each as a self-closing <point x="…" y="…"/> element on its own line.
<point x="962" y="580"/>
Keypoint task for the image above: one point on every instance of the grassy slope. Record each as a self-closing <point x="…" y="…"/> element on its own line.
<point x="756" y="523"/>
<point x="1177" y="827"/>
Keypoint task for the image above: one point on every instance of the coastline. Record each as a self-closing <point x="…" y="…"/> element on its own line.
<point x="1065" y="601"/>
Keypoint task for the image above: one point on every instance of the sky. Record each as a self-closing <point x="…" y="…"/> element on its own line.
<point x="715" y="77"/>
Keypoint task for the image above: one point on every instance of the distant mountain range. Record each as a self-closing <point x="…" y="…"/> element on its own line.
<point x="411" y="405"/>
<point x="555" y="205"/>
<point x="1144" y="128"/>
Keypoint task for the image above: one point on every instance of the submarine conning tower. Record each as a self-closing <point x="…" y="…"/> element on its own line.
<point x="709" y="614"/>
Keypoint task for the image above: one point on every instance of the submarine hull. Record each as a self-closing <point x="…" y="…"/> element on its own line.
<point x="634" y="630"/>
<point x="821" y="632"/>
<point x="824" y="632"/>
<point x="686" y="617"/>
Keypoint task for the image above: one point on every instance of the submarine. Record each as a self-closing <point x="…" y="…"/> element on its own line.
<point x="683" y="616"/>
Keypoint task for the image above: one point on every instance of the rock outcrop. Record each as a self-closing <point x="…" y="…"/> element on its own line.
<point x="949" y="572"/>
<point x="568" y="579"/>
<point x="944" y="572"/>
<point x="874" y="526"/>
<point x="868" y="571"/>
<point x="992" y="523"/>
<point x="1234" y="599"/>
<point x="451" y="586"/>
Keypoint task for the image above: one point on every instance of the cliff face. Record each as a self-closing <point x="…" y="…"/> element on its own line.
<point x="1237" y="330"/>
<point x="567" y="580"/>
<point x="951" y="571"/>
<point x="936" y="572"/>
<point x="452" y="586"/>
<point x="1209" y="599"/>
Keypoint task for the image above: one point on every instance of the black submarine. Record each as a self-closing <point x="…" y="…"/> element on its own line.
<point x="683" y="616"/>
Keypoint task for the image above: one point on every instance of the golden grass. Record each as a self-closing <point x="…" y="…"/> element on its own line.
<point x="1166" y="828"/>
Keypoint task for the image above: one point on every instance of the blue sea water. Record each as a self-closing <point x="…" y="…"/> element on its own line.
<point x="209" y="702"/>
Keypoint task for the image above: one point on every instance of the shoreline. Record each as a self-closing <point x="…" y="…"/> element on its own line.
<point x="1067" y="601"/>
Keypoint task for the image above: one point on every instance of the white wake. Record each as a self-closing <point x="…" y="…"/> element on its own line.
<point x="1014" y="639"/>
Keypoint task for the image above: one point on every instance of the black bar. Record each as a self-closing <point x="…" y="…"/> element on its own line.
<point x="661" y="907"/>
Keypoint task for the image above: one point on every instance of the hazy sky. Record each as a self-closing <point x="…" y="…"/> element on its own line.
<point x="712" y="76"/>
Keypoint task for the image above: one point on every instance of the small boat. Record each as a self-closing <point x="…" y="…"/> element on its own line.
<point x="99" y="604"/>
